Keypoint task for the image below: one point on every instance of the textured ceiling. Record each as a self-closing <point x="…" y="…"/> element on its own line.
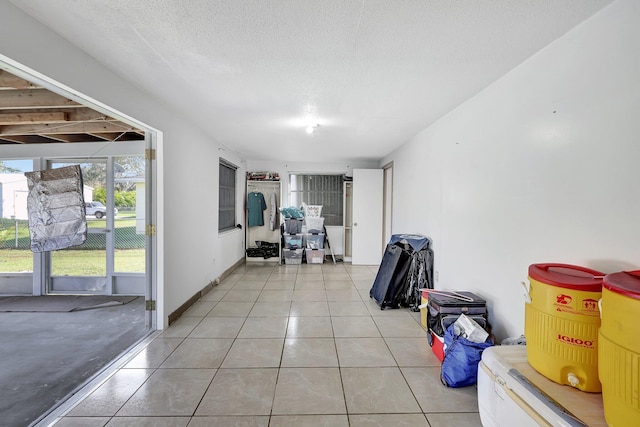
<point x="254" y="73"/>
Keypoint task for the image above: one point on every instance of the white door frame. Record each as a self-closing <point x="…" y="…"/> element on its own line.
<point x="154" y="288"/>
<point x="92" y="285"/>
<point x="387" y="202"/>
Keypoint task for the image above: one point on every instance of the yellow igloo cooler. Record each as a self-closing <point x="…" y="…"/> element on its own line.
<point x="619" y="349"/>
<point x="561" y="324"/>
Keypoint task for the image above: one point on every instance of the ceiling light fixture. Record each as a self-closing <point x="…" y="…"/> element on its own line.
<point x="312" y="128"/>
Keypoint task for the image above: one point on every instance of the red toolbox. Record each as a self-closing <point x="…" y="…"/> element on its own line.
<point x="437" y="345"/>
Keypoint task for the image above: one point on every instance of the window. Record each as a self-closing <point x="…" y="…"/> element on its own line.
<point x="325" y="190"/>
<point x="15" y="242"/>
<point x="227" y="196"/>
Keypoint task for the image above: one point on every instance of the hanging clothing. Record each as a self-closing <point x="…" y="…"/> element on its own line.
<point x="255" y="207"/>
<point x="273" y="214"/>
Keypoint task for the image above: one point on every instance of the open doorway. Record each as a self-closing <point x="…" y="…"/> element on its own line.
<point x="66" y="315"/>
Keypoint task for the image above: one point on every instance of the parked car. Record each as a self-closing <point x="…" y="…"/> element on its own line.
<point x="97" y="209"/>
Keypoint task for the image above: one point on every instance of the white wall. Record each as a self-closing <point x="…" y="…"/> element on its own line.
<point x="192" y="252"/>
<point x="284" y="168"/>
<point x="542" y="166"/>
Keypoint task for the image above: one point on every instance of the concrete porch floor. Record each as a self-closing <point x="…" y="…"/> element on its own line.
<point x="44" y="356"/>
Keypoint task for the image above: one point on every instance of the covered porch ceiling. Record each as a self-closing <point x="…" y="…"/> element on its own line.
<point x="31" y="114"/>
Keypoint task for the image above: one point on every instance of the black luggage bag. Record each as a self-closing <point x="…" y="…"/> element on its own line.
<point x="419" y="276"/>
<point x="389" y="283"/>
<point x="445" y="307"/>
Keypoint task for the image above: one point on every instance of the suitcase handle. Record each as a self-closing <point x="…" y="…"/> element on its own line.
<point x="452" y="294"/>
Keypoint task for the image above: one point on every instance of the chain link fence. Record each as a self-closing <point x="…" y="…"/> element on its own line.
<point x="129" y="245"/>
<point x="14" y="234"/>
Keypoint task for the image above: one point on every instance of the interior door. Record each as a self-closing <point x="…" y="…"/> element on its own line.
<point x="367" y="242"/>
<point x="348" y="220"/>
<point x="388" y="201"/>
<point x="88" y="268"/>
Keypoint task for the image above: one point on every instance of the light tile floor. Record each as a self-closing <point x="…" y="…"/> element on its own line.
<point x="283" y="346"/>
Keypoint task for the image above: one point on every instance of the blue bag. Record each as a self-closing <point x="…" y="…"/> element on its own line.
<point x="461" y="358"/>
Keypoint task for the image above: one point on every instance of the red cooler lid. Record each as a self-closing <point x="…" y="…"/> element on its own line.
<point x="567" y="276"/>
<point x="626" y="283"/>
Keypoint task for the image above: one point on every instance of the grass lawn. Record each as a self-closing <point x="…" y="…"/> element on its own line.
<point x="16" y="260"/>
<point x="8" y="226"/>
<point x="74" y="262"/>
<point x="129" y="260"/>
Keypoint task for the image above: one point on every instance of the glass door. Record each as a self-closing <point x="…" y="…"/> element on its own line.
<point x="88" y="268"/>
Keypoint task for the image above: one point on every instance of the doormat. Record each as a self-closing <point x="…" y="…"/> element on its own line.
<point x="61" y="303"/>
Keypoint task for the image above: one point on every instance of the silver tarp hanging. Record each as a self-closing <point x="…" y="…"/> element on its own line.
<point x="56" y="208"/>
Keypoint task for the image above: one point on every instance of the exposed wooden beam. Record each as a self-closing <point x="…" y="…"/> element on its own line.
<point x="8" y="80"/>
<point x="106" y="136"/>
<point x="54" y="138"/>
<point x="10" y="140"/>
<point x="31" y="114"/>
<point x="87" y="115"/>
<point x="31" y="118"/>
<point x="26" y="139"/>
<point x="74" y="114"/>
<point x="91" y="127"/>
<point x="129" y="136"/>
<point x="33" y="98"/>
<point x="73" y="137"/>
